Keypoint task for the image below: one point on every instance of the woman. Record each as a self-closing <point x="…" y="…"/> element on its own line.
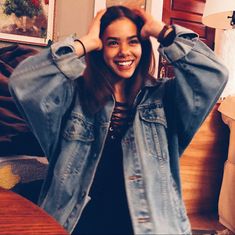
<point x="112" y="132"/>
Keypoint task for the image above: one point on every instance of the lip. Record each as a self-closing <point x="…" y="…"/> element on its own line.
<point x="124" y="64"/>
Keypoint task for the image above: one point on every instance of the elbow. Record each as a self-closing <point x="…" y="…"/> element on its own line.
<point x="15" y="92"/>
<point x="217" y="84"/>
<point x="214" y="87"/>
<point x="13" y="81"/>
<point x="14" y="84"/>
<point x="19" y="79"/>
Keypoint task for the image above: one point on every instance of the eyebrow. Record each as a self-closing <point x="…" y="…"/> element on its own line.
<point x="115" y="38"/>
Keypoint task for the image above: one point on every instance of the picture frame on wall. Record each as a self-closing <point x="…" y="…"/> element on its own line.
<point x="27" y="21"/>
<point x="102" y="4"/>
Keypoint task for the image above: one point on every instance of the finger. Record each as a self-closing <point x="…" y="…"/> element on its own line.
<point x="97" y="18"/>
<point x="99" y="14"/>
<point x="140" y="12"/>
<point x="144" y="35"/>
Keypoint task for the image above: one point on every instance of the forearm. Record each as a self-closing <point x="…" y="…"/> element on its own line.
<point x="199" y="80"/>
<point x="84" y="45"/>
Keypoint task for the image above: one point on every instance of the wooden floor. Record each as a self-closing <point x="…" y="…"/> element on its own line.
<point x="202" y="166"/>
<point x="205" y="224"/>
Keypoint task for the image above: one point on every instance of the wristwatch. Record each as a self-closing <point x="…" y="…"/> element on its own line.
<point x="167" y="35"/>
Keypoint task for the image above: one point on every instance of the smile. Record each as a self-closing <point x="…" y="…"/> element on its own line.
<point x="126" y="63"/>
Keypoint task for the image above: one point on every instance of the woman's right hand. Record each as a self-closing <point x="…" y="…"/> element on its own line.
<point x="94" y="30"/>
<point x="91" y="40"/>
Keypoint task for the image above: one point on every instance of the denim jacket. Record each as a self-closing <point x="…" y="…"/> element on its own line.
<point x="168" y="113"/>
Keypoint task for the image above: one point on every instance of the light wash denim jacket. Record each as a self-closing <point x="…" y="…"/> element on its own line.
<point x="168" y="113"/>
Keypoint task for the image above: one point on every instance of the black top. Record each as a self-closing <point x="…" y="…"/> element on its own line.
<point x="107" y="212"/>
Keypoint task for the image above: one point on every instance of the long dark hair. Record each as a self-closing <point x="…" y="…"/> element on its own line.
<point x="96" y="86"/>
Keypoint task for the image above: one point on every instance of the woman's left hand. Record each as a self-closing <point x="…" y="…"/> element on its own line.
<point x="152" y="27"/>
<point x="94" y="30"/>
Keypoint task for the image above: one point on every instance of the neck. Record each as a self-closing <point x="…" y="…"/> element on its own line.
<point x="119" y="91"/>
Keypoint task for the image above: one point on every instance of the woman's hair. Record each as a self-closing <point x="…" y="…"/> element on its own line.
<point x="96" y="86"/>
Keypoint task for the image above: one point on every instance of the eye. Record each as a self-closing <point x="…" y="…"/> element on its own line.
<point x="134" y="41"/>
<point x="112" y="43"/>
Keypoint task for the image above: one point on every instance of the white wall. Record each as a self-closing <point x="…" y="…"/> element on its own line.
<point x="156" y="11"/>
<point x="72" y="16"/>
<point x="225" y="50"/>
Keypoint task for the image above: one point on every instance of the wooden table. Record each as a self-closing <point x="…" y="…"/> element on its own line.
<point x="19" y="216"/>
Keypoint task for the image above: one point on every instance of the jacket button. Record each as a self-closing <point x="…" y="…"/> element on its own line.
<point x="81" y="197"/>
<point x="134" y="177"/>
<point x="83" y="194"/>
<point x="66" y="225"/>
<point x="94" y="156"/>
<point x="143" y="220"/>
<point x="57" y="100"/>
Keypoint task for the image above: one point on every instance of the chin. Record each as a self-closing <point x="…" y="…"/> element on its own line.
<point x="126" y="75"/>
<point x="122" y="74"/>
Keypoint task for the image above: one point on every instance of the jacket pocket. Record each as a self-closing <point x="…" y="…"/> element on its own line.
<point x="76" y="146"/>
<point x="153" y="123"/>
<point x="75" y="154"/>
<point x="153" y="113"/>
<point x="78" y="128"/>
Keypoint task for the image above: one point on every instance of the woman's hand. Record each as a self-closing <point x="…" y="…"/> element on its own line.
<point x="91" y="40"/>
<point x="94" y="30"/>
<point x="152" y="27"/>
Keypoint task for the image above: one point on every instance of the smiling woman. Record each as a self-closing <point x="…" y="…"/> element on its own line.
<point x="122" y="51"/>
<point x="111" y="131"/>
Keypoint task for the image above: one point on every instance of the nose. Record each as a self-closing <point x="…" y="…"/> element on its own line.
<point x="123" y="49"/>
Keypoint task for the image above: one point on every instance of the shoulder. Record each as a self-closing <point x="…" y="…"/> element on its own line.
<point x="152" y="81"/>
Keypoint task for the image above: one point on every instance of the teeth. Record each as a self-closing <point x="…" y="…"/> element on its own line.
<point x="124" y="63"/>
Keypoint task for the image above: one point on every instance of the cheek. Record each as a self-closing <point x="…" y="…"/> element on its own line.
<point x="108" y="56"/>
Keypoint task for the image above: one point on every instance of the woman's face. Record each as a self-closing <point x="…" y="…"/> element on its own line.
<point x="121" y="47"/>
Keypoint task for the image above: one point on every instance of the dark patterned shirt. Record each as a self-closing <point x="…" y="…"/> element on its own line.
<point x="107" y="212"/>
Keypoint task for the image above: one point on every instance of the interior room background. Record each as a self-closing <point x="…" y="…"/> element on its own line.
<point x="74" y="16"/>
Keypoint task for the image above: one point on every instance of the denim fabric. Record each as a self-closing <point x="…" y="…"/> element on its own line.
<point x="168" y="113"/>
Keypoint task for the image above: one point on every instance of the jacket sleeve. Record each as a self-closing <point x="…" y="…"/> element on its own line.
<point x="199" y="81"/>
<point x="43" y="88"/>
